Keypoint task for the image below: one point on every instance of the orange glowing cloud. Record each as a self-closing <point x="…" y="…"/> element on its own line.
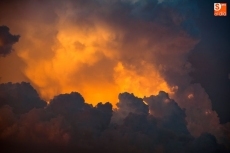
<point x="145" y="84"/>
<point x="66" y="49"/>
<point x="66" y="52"/>
<point x="84" y="61"/>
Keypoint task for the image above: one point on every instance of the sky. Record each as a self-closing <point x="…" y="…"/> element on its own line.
<point x="147" y="75"/>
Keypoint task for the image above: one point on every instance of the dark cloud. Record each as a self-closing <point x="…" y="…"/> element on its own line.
<point x="80" y="114"/>
<point x="172" y="116"/>
<point x="128" y="103"/>
<point x="225" y="139"/>
<point x="7" y="40"/>
<point x="207" y="143"/>
<point x="211" y="58"/>
<point x="69" y="124"/>
<point x="22" y="97"/>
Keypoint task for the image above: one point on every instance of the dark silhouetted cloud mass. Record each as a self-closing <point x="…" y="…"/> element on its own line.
<point x="69" y="124"/>
<point x="22" y="97"/>
<point x="7" y="40"/>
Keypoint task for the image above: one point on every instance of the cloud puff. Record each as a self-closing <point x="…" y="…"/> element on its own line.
<point x="22" y="97"/>
<point x="128" y="103"/>
<point x="7" y="40"/>
<point x="172" y="116"/>
<point x="80" y="114"/>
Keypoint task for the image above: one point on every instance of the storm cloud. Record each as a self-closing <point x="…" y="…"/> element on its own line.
<point x="69" y="124"/>
<point x="7" y="40"/>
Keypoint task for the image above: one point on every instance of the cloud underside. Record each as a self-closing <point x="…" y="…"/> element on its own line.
<point x="70" y="124"/>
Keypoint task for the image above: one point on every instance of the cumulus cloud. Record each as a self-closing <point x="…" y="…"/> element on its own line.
<point x="22" y="97"/>
<point x="173" y="117"/>
<point x="69" y="124"/>
<point x="7" y="40"/>
<point x="128" y="103"/>
<point x="82" y="115"/>
<point x="67" y="120"/>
